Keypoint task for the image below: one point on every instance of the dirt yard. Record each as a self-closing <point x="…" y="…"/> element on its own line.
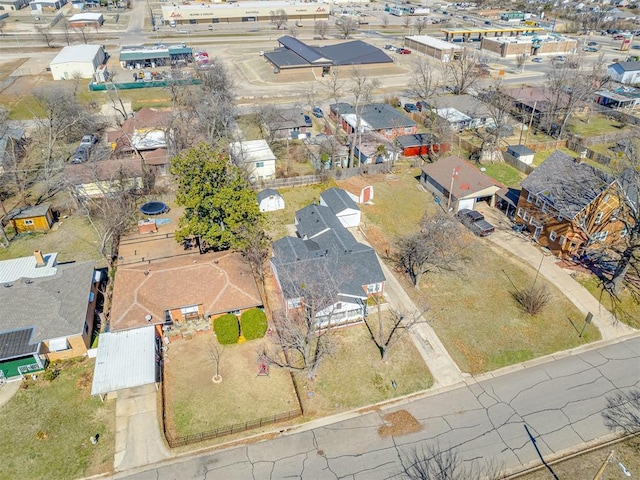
<point x="196" y="404"/>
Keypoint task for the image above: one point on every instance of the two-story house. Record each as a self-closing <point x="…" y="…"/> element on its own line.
<point x="570" y="206"/>
<point x="325" y="268"/>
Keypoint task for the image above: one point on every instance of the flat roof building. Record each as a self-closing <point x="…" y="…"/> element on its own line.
<point x="434" y="47"/>
<point x="242" y="12"/>
<point x="553" y="44"/>
<point x="152" y="56"/>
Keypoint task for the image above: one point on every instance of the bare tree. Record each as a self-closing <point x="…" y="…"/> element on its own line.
<point x="83" y="33"/>
<point x="407" y="21"/>
<point x="421" y="24"/>
<point x="499" y="105"/>
<point x="334" y="87"/>
<point x="46" y="34"/>
<point x="424" y="80"/>
<point x="362" y="87"/>
<point x="112" y="213"/>
<point x="386" y="329"/>
<point x="520" y="61"/>
<point x="2" y="25"/>
<point x="321" y="28"/>
<point x="347" y="26"/>
<point x="278" y="17"/>
<point x="254" y="246"/>
<point x="432" y="462"/>
<point x="462" y="74"/>
<point x="66" y="30"/>
<point x="214" y="353"/>
<point x="438" y="246"/>
<point x="385" y="20"/>
<point x="623" y="411"/>
<point x="293" y="31"/>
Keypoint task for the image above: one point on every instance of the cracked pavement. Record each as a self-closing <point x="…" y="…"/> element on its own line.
<point x="560" y="401"/>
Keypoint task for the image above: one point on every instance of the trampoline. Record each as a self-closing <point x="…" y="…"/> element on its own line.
<point x="154" y="208"/>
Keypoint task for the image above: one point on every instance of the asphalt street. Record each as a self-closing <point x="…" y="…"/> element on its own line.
<point x="559" y="399"/>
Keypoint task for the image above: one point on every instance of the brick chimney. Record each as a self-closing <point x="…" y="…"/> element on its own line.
<point x="39" y="258"/>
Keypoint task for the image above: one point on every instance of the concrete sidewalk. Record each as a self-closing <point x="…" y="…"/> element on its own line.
<point x="139" y="438"/>
<point x="444" y="370"/>
<point x="523" y="248"/>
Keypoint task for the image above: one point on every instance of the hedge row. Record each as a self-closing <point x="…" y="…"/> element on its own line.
<point x="227" y="328"/>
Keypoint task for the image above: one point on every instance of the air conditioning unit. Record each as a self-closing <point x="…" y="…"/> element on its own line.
<point x="583" y="153"/>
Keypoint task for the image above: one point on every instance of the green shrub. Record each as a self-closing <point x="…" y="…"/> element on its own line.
<point x="254" y="324"/>
<point x="227" y="329"/>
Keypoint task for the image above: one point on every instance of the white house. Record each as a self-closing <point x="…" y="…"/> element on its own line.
<point x="625" y="72"/>
<point x="256" y="156"/>
<point x="270" y="200"/>
<point x="82" y="60"/>
<point x="342" y="205"/>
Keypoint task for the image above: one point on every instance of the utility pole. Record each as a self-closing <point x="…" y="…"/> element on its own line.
<point x="454" y="174"/>
<point x="535" y="104"/>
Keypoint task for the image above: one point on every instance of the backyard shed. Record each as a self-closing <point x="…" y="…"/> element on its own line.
<point x="126" y="359"/>
<point x="270" y="200"/>
<point x="31" y="219"/>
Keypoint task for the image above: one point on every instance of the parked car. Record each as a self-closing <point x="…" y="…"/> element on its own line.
<point x="410" y="107"/>
<point x="420" y="105"/>
<point x="560" y="58"/>
<point x="636" y="47"/>
<point x="317" y="112"/>
<point x="81" y="154"/>
<point x="592" y="44"/>
<point x="404" y="51"/>
<point x="590" y="49"/>
<point x="90" y="140"/>
<point x="536" y="59"/>
<point x="475" y="222"/>
<point x="307" y="120"/>
<point x="388" y="47"/>
<point x="618" y="37"/>
<point x="487" y="22"/>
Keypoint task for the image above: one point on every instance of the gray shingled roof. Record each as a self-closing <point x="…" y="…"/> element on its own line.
<point x="569" y="185"/>
<point x="55" y="306"/>
<point x="379" y="116"/>
<point x="626" y="66"/>
<point x="330" y="258"/>
<point x="417" y="140"/>
<point x="338" y="200"/>
<point x="266" y="193"/>
<point x="29" y="212"/>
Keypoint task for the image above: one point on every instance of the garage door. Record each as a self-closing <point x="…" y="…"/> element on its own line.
<point x="466" y="203"/>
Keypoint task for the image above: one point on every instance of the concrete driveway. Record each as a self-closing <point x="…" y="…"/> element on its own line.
<point x="139" y="439"/>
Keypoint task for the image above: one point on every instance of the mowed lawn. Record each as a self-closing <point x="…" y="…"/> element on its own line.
<point x="483" y="327"/>
<point x="355" y="376"/>
<point x="46" y="429"/>
<point x="625" y="307"/>
<point x="194" y="404"/>
<point x="472" y="311"/>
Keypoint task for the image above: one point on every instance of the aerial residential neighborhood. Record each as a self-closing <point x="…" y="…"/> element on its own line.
<point x="346" y="239"/>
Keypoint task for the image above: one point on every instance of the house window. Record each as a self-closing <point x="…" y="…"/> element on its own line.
<point x="28" y="222"/>
<point x="563" y="240"/>
<point x="525" y="217"/>
<point x="599" y="218"/>
<point x="560" y="218"/>
<point x="190" y="311"/>
<point x="373" y="288"/>
<point x="545" y="207"/>
<point x="338" y="306"/>
<point x="539" y="201"/>
<point x="532" y="221"/>
<point x="606" y="198"/>
<point x="530" y="197"/>
<point x="600" y="236"/>
<point x="259" y="164"/>
<point x="520" y="212"/>
<point x="86" y="327"/>
<point x="294" y="303"/>
<point x="552" y="236"/>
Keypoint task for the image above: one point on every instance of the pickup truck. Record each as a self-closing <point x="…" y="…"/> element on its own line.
<point x="475" y="222"/>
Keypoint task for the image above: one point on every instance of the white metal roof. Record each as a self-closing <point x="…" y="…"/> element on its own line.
<point x="435" y="42"/>
<point x="126" y="359"/>
<point x="77" y="53"/>
<point x="25" y="267"/>
<point x="252" y="151"/>
<point x="86" y="17"/>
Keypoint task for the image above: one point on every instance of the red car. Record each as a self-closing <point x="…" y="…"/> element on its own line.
<point x="404" y="51"/>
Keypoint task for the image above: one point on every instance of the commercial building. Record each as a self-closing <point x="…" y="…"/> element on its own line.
<point x="242" y="12"/>
<point x="87" y="19"/>
<point x="434" y="47"/>
<point x="293" y="55"/>
<point x="152" y="56"/>
<point x="530" y="45"/>
<point x="13" y="4"/>
<point x="47" y="5"/>
<point x="77" y="60"/>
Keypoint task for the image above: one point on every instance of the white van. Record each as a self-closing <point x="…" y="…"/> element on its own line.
<point x="173" y="24"/>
